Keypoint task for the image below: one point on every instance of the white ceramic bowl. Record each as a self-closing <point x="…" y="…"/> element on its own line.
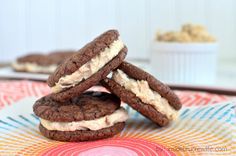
<point x="184" y="63"/>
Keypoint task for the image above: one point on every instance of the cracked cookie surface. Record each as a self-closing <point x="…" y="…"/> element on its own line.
<point x="88" y="106"/>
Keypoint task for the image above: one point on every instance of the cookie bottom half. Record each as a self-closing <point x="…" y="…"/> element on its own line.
<point x="82" y="135"/>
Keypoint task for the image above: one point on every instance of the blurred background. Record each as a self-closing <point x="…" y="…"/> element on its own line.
<point x="44" y="25"/>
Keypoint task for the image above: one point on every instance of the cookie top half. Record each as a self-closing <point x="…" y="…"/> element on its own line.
<point x="88" y="106"/>
<point x="87" y="61"/>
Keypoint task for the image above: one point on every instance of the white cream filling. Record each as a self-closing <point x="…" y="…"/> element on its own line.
<point x="142" y="90"/>
<point x="119" y="115"/>
<point x="89" y="68"/>
<point x="33" y="67"/>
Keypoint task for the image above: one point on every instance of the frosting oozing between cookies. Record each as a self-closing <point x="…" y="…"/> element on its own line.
<point x="148" y="96"/>
<point x="89" y="68"/>
<point x="120" y="115"/>
<point x="33" y="67"/>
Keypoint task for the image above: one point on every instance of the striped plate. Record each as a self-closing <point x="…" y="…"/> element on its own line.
<point x="206" y="126"/>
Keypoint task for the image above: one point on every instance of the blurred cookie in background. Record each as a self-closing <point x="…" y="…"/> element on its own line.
<point x="41" y="63"/>
<point x="35" y="63"/>
<point x="60" y="55"/>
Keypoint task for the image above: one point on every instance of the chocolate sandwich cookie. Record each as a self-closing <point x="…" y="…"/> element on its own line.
<point x="41" y="63"/>
<point x="144" y="93"/>
<point x="91" y="116"/>
<point x="91" y="64"/>
<point x="35" y="63"/>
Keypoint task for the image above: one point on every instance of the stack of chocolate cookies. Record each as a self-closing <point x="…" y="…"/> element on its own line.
<point x="71" y="113"/>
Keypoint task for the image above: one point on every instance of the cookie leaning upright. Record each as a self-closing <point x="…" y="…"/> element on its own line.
<point x="144" y="93"/>
<point x="90" y="116"/>
<point x="88" y="66"/>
